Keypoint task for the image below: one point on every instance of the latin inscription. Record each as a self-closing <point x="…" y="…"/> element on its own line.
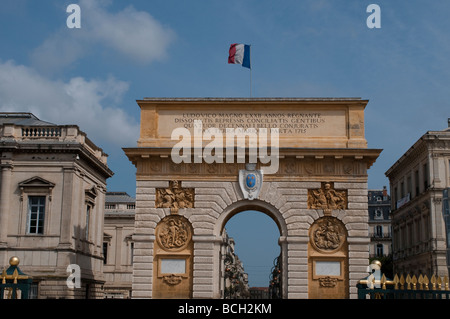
<point x="306" y="123"/>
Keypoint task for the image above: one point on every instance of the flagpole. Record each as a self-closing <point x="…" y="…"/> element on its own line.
<point x="250" y="82"/>
<point x="250" y="70"/>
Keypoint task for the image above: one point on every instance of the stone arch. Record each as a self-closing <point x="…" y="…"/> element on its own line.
<point x="333" y="154"/>
<point x="257" y="205"/>
<point x="267" y="209"/>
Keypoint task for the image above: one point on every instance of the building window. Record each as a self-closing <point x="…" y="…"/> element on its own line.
<point x="402" y="190"/>
<point x="416" y="182"/>
<point x="378" y="214"/>
<point x="425" y="176"/>
<point x="395" y="195"/>
<point x="105" y="253"/>
<point x="88" y="217"/>
<point x="409" y="186"/>
<point x="380" y="250"/>
<point x="379" y="231"/>
<point x="132" y="252"/>
<point x="36" y="214"/>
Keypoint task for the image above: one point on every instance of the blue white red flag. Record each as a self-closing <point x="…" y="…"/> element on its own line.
<point x="240" y="54"/>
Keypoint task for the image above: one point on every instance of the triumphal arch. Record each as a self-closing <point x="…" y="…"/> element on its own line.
<point x="200" y="161"/>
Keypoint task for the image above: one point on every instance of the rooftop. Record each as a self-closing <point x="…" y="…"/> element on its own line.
<point x="119" y="197"/>
<point x="428" y="137"/>
<point x="22" y="118"/>
<point x="251" y="99"/>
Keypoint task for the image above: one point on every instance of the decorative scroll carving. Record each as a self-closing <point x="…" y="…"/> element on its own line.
<point x="327" y="234"/>
<point x="327" y="198"/>
<point x="175" y="196"/>
<point x="327" y="282"/>
<point x="172" y="279"/>
<point x="174" y="233"/>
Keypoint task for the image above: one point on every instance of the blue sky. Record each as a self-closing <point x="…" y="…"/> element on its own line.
<point x="127" y="50"/>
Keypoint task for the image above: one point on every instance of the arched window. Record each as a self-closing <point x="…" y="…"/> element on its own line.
<point x="378" y="214"/>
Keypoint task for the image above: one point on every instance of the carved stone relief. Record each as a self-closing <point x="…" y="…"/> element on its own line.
<point x="304" y="166"/>
<point x="172" y="279"/>
<point x="173" y="233"/>
<point x="328" y="282"/>
<point x="175" y="196"/>
<point x="327" y="234"/>
<point x="327" y="198"/>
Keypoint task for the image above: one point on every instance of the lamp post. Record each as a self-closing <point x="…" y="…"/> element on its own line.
<point x="228" y="273"/>
<point x="275" y="279"/>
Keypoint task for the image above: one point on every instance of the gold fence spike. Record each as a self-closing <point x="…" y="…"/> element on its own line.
<point x="414" y="282"/>
<point x="15" y="275"/>
<point x="439" y="282"/>
<point x="396" y="281"/>
<point x="402" y="282"/>
<point x="445" y="283"/>
<point x="420" y="282"/>
<point x="426" y="281"/>
<point x="383" y="281"/>
<point x="408" y="281"/>
<point x="433" y="282"/>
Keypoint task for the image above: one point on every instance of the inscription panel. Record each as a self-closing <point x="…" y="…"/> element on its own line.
<point x="307" y="123"/>
<point x="328" y="268"/>
<point x="173" y="266"/>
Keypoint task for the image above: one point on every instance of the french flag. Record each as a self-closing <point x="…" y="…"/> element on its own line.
<point x="240" y="54"/>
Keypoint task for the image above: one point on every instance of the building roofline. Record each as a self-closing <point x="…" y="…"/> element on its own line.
<point x="423" y="139"/>
<point x="269" y="99"/>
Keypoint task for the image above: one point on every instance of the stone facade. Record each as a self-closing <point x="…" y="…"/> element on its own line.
<point x="53" y="185"/>
<point x="118" y="244"/>
<point x="330" y="161"/>
<point x="417" y="181"/>
<point x="380" y="222"/>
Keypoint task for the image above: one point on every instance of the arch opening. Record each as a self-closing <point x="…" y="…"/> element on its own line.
<point x="251" y="262"/>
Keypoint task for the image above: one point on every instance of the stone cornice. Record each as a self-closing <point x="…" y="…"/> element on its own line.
<point x="294" y="164"/>
<point x="58" y="147"/>
<point x="433" y="142"/>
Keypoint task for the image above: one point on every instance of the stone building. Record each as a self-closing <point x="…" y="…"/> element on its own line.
<point x="380" y="222"/>
<point x="317" y="193"/>
<point x="234" y="282"/>
<point x="53" y="185"/>
<point x="118" y="244"/>
<point x="417" y="181"/>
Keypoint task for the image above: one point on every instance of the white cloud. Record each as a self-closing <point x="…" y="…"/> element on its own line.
<point x="90" y="104"/>
<point x="135" y="34"/>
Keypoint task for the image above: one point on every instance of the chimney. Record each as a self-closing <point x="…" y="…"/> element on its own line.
<point x="385" y="194"/>
<point x="448" y="120"/>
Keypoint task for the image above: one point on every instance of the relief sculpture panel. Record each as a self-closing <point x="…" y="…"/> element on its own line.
<point x="173" y="233"/>
<point x="327" y="234"/>
<point x="327" y="198"/>
<point x="174" y="196"/>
